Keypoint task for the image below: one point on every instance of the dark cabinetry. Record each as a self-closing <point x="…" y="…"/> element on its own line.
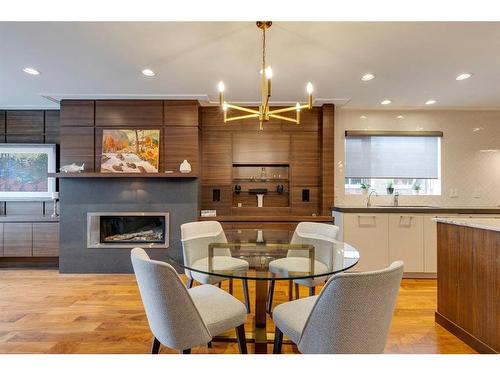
<point x="26" y="239"/>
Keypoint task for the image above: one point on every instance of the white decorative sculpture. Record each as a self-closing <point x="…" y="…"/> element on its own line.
<point x="260" y="200"/>
<point x="185" y="167"/>
<point x="72" y="168"/>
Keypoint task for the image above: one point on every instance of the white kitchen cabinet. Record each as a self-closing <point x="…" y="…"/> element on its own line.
<point x="368" y="233"/>
<point x="406" y="241"/>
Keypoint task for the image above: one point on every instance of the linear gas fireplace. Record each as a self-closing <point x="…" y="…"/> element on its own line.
<point x="127" y="229"/>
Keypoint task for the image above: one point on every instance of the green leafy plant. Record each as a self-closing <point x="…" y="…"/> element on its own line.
<point x="417" y="186"/>
<point x="390" y="185"/>
<point x="365" y="186"/>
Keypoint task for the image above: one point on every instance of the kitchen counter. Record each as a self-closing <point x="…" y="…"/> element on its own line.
<point x="479" y="223"/>
<point x="418" y="209"/>
<point x="468" y="255"/>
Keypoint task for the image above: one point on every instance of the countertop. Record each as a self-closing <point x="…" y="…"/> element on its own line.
<point x="284" y="218"/>
<point x="480" y="223"/>
<point x="418" y="209"/>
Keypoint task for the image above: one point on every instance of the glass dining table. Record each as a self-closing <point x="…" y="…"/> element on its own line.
<point x="259" y="247"/>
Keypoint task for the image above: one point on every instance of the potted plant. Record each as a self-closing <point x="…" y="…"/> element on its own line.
<point x="365" y="188"/>
<point x="390" y="188"/>
<point x="417" y="186"/>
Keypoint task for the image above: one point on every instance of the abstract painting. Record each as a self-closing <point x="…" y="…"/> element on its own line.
<point x="23" y="171"/>
<point x="130" y="151"/>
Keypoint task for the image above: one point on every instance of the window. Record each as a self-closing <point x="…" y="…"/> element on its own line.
<point x="406" y="162"/>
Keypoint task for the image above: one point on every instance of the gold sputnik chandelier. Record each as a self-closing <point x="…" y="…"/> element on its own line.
<point x="264" y="114"/>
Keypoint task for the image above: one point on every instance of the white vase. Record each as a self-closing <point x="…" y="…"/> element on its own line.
<point x="185" y="167"/>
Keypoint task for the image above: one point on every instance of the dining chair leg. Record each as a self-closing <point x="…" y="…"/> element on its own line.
<point x="312" y="291"/>
<point x="242" y="341"/>
<point x="209" y="344"/>
<point x="278" y="341"/>
<point x="247" y="297"/>
<point x="219" y="284"/>
<point x="270" y="296"/>
<point x="186" y="351"/>
<point x="155" y="347"/>
<point x="290" y="290"/>
<point x="190" y="283"/>
<point x="297" y="291"/>
<point x="231" y="286"/>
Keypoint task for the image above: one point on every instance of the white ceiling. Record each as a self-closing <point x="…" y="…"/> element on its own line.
<point x="413" y="62"/>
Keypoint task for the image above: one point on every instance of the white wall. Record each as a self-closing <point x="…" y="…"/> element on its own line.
<point x="475" y="174"/>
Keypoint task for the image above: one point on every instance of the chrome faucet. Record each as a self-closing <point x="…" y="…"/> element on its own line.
<point x="368" y="203"/>
<point x="396" y="199"/>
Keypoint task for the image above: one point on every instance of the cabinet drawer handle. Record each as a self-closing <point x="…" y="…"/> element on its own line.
<point x="367" y="224"/>
<point x="401" y="218"/>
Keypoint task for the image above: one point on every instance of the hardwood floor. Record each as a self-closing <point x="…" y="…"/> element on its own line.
<point x="45" y="312"/>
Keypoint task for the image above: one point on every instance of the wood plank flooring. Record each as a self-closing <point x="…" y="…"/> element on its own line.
<point x="45" y="312"/>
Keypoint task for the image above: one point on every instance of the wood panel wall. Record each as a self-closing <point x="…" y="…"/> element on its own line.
<point x="83" y="122"/>
<point x="307" y="149"/>
<point x="29" y="126"/>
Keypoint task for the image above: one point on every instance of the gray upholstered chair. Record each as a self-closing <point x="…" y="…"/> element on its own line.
<point x="352" y="314"/>
<point x="322" y="237"/>
<point x="196" y="237"/>
<point x="180" y="318"/>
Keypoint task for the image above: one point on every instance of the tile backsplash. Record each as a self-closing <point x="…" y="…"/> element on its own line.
<point x="470" y="152"/>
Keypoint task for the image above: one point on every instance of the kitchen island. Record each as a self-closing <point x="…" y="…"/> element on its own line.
<point x="468" y="256"/>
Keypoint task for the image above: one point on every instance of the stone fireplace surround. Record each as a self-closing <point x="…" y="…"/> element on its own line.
<point x="178" y="197"/>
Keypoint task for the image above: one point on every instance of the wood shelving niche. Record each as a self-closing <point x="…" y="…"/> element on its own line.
<point x="272" y="179"/>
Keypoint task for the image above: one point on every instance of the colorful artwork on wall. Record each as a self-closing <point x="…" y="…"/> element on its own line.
<point x="130" y="151"/>
<point x="23" y="171"/>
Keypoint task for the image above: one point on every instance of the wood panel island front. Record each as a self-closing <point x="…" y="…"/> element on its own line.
<point x="469" y="280"/>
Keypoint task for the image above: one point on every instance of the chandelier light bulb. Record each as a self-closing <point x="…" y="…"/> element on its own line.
<point x="309" y="88"/>
<point x="224" y="107"/>
<point x="297" y="107"/>
<point x="269" y="72"/>
<point x="221" y="86"/>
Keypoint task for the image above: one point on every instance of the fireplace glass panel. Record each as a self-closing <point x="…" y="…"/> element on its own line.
<point x="132" y="229"/>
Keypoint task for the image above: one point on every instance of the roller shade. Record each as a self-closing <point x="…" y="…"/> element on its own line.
<point x="392" y="156"/>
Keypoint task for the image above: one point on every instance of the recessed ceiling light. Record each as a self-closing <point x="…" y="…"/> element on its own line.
<point x="401" y="117"/>
<point x="489" y="150"/>
<point x="148" y="72"/>
<point x="430" y="102"/>
<point x="368" y="77"/>
<point x="385" y="102"/>
<point x="478" y="129"/>
<point x="463" y="76"/>
<point x="31" y="71"/>
<point x="362" y="117"/>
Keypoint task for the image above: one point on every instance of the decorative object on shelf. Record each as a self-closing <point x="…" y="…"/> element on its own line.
<point x="169" y="171"/>
<point x="264" y="114"/>
<point x="263" y="174"/>
<point x="237" y="189"/>
<point x="390" y="188"/>
<point x="185" y="167"/>
<point x="24" y="169"/>
<point x="365" y="188"/>
<point x="280" y="189"/>
<point x="55" y="197"/>
<point x="208" y="213"/>
<point x="130" y="151"/>
<point x="72" y="168"/>
<point x="260" y="196"/>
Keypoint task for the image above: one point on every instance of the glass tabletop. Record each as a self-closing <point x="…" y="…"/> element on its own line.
<point x="257" y="254"/>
